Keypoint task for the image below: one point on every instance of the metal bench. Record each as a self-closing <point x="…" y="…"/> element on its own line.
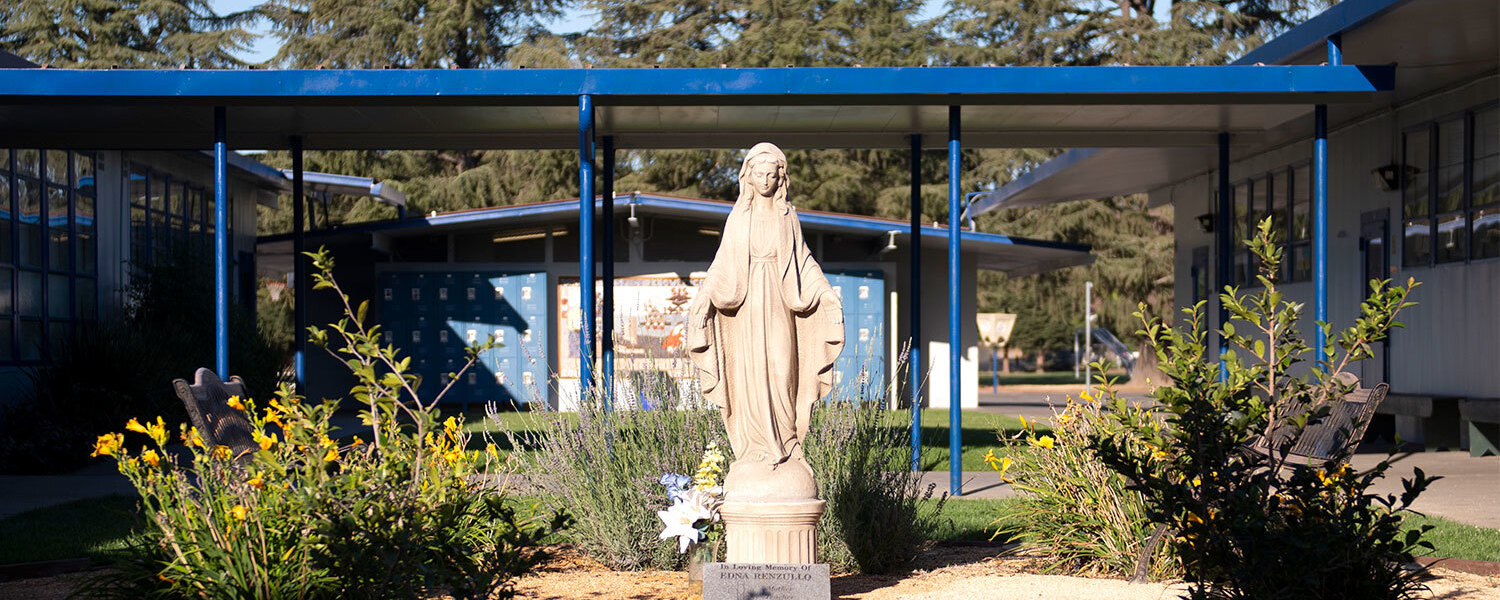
<point x="1335" y="436"/>
<point x="207" y="403"/>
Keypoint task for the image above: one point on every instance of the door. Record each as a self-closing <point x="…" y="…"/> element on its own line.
<point x="1374" y="231"/>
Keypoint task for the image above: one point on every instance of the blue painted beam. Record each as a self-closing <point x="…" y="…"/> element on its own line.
<point x="1224" y="246"/>
<point x="1334" y="46"/>
<point x="299" y="269"/>
<point x="585" y="245"/>
<point x="955" y="294"/>
<point x="221" y="243"/>
<point x="915" y="367"/>
<point x="655" y="87"/>
<point x="607" y="303"/>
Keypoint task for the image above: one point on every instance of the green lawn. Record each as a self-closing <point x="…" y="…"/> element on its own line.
<point x="94" y="528"/>
<point x="1043" y="378"/>
<point x="98" y="528"/>
<point x="978" y="433"/>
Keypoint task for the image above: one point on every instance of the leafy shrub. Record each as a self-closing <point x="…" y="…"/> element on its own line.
<point x="1213" y="459"/>
<point x="124" y="367"/>
<point x="605" y="466"/>
<point x="876" y="520"/>
<point x="1069" y="505"/>
<point x="404" y="514"/>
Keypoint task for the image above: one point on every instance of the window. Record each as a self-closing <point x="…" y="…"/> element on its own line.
<point x="1241" y="226"/>
<point x="1450" y="202"/>
<point x="48" y="252"/>
<point x="1484" y="199"/>
<point x="1299" y="227"/>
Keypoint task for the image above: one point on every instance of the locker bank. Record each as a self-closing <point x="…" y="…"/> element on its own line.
<point x="439" y="283"/>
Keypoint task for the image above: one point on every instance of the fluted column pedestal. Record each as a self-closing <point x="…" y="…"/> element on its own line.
<point x="771" y="532"/>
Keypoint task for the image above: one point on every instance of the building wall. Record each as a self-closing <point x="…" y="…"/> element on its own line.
<point x="359" y="269"/>
<point x="1451" y="344"/>
<point x="112" y="236"/>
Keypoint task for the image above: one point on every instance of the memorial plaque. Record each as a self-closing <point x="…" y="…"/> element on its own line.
<point x="757" y="581"/>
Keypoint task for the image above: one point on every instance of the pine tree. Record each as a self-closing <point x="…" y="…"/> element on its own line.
<point x="99" y="34"/>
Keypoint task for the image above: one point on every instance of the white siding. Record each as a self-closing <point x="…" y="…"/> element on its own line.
<point x="1451" y="344"/>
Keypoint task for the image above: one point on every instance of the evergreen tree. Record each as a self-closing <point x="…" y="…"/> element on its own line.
<point x="100" y="34"/>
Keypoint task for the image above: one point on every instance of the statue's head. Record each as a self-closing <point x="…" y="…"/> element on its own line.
<point x="764" y="173"/>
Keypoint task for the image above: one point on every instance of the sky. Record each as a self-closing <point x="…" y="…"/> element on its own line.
<point x="573" y="20"/>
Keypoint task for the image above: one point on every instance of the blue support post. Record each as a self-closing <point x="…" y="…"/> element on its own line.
<point x="299" y="269"/>
<point x="1224" y="230"/>
<point x="221" y="242"/>
<point x="915" y="367"/>
<point x="585" y="245"/>
<point x="994" y="370"/>
<point x="955" y="292"/>
<point x="1320" y="211"/>
<point x="607" y="308"/>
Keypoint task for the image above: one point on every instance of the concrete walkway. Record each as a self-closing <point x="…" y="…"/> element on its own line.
<point x="1467" y="493"/>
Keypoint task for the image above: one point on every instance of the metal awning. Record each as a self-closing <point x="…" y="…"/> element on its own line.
<point x="1432" y="46"/>
<point x="1015" y="256"/>
<point x="326" y="185"/>
<point x="666" y="108"/>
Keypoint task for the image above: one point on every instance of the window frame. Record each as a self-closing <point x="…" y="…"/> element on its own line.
<point x="1466" y="208"/>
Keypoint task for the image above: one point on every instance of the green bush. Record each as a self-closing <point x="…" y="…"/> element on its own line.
<point x="1213" y="457"/>
<point x="1069" y="505"/>
<point x="124" y="367"/>
<point x="406" y="514"/>
<point x="877" y="516"/>
<point x="605" y="467"/>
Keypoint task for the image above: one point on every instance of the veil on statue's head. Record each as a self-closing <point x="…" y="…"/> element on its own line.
<point x="758" y="153"/>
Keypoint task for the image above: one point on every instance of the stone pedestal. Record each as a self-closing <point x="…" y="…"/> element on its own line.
<point x="771" y="531"/>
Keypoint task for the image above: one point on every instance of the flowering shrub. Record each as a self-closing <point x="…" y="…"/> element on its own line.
<point x="1069" y="505"/>
<point x="310" y="516"/>
<point x="1213" y="456"/>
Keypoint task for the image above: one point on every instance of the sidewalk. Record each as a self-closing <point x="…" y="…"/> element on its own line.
<point x="1466" y="493"/>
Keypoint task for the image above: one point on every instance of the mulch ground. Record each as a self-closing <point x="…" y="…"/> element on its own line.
<point x="941" y="573"/>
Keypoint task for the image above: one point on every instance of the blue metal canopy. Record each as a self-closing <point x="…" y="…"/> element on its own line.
<point x="665" y="108"/>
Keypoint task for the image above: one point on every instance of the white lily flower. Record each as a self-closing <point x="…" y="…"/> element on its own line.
<point x="680" y="520"/>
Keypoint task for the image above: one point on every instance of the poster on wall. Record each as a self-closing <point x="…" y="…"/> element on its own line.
<point x="650" y="330"/>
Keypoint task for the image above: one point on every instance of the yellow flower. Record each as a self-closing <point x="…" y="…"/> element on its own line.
<point x="453" y="456"/>
<point x="1197" y="482"/>
<point x="135" y="425"/>
<point x="332" y="455"/>
<point x="234" y="402"/>
<point x="360" y="442"/>
<point x="221" y="452"/>
<point x="1194" y="518"/>
<point x="450" y="425"/>
<point x="256" y="482"/>
<point x="1158" y="455"/>
<point x="239" y="512"/>
<point x="1063" y="419"/>
<point x="492" y="451"/>
<point x="274" y="417"/>
<point x="265" y="441"/>
<point x="1045" y="441"/>
<point x="1023" y="421"/>
<point x="192" y="438"/>
<point x="157" y="431"/>
<point x="151" y="457"/>
<point x="1086" y="395"/>
<point x="108" y="444"/>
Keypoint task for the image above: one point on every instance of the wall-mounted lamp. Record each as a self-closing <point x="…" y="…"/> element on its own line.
<point x="1206" y="222"/>
<point x="1388" y="177"/>
<point x="631" y="220"/>
<point x="890" y="243"/>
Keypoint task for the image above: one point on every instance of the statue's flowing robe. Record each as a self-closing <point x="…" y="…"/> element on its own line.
<point x="763" y="334"/>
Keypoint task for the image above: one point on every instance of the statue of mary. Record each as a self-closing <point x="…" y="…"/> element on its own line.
<point x="763" y="333"/>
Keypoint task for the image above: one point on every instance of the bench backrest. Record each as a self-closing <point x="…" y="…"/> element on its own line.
<point x="1344" y="426"/>
<point x="207" y="403"/>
